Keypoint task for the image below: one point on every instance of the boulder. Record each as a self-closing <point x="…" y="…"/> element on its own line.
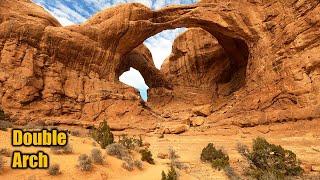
<point x="163" y="155"/>
<point x="197" y="121"/>
<point x="178" y="129"/>
<point x="315" y="168"/>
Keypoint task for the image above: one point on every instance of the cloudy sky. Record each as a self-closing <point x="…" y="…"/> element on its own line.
<point x="70" y="12"/>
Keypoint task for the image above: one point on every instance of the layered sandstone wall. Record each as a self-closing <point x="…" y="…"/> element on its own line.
<point x="42" y="76"/>
<point x="263" y="61"/>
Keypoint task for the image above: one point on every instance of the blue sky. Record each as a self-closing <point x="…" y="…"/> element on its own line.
<point x="70" y="12"/>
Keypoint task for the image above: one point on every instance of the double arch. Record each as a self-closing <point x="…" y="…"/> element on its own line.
<point x="120" y="32"/>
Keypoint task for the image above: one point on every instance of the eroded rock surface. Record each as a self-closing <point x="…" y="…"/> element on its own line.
<point x="257" y="62"/>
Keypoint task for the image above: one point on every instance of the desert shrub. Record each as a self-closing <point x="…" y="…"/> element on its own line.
<point x="174" y="159"/>
<point x="35" y="125"/>
<point x="173" y="154"/>
<point x="5" y="152"/>
<point x="243" y="149"/>
<point x="97" y="156"/>
<point x="138" y="164"/>
<point x="130" y="142"/>
<point x="172" y="174"/>
<point x="84" y="162"/>
<point x="128" y="165"/>
<point x="4" y="125"/>
<point x="146" y="155"/>
<point x="67" y="149"/>
<point x="217" y="158"/>
<point x="232" y="175"/>
<point x="54" y="170"/>
<point x="75" y="133"/>
<point x="271" y="161"/>
<point x="1" y="163"/>
<point x="2" y="115"/>
<point x="118" y="151"/>
<point x="33" y="177"/>
<point x="103" y="135"/>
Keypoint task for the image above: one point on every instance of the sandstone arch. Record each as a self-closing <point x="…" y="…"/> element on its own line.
<point x="141" y="59"/>
<point x="70" y="72"/>
<point x="138" y="23"/>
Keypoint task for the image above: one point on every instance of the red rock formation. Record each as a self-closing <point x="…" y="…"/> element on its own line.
<point x="71" y="73"/>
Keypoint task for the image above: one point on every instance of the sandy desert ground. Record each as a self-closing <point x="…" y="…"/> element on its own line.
<point x="306" y="144"/>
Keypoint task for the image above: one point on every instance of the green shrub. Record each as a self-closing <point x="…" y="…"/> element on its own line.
<point x="130" y="142"/>
<point x="118" y="151"/>
<point x="54" y="170"/>
<point x="84" y="162"/>
<point x="67" y="149"/>
<point x="146" y="155"/>
<point x="97" y="156"/>
<point x="103" y="135"/>
<point x="271" y="161"/>
<point x="172" y="174"/>
<point x="217" y="158"/>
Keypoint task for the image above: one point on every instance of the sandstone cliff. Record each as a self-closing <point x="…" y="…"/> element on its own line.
<point x="253" y="62"/>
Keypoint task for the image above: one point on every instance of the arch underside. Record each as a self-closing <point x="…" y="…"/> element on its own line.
<point x="122" y="41"/>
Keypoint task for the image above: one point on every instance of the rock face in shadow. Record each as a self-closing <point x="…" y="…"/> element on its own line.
<point x="257" y="62"/>
<point x="199" y="61"/>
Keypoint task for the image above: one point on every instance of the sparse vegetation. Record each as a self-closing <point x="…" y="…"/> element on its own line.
<point x="218" y="159"/>
<point x="232" y="175"/>
<point x="54" y="170"/>
<point x="172" y="174"/>
<point x="138" y="164"/>
<point x="4" y="123"/>
<point x="84" y="162"/>
<point x="174" y="159"/>
<point x="35" y="125"/>
<point x="103" y="135"/>
<point x="67" y="149"/>
<point x="97" y="156"/>
<point x="1" y="164"/>
<point x="128" y="165"/>
<point x="130" y="142"/>
<point x="5" y="152"/>
<point x="269" y="161"/>
<point x="146" y="155"/>
<point x="118" y="151"/>
<point x="75" y="133"/>
<point x="2" y="115"/>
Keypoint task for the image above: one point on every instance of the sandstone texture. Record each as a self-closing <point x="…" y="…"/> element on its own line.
<point x="241" y="63"/>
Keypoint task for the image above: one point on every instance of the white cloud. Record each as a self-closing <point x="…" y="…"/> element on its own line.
<point x="160" y="45"/>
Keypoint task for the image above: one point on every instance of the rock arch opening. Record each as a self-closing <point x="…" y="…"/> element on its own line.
<point x="160" y="48"/>
<point x="200" y="59"/>
<point x="125" y="43"/>
<point x="207" y="61"/>
<point x="134" y="79"/>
